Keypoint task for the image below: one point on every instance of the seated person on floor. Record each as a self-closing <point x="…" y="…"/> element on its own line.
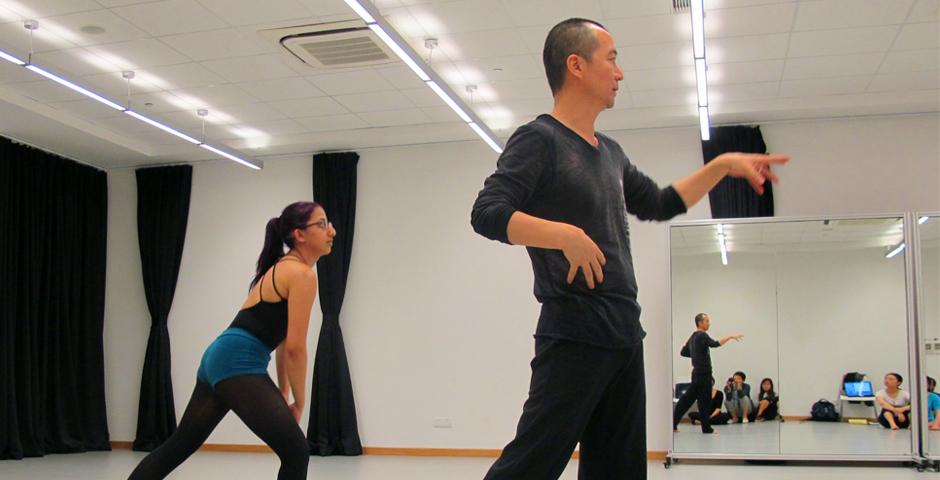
<point x="767" y="401"/>
<point x="933" y="405"/>
<point x="895" y="403"/>
<point x="717" y="417"/>
<point x="738" y="398"/>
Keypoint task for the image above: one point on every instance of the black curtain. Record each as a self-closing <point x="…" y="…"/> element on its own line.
<point x="53" y="243"/>
<point x="333" y="428"/>
<point x="162" y="213"/>
<point x="734" y="197"/>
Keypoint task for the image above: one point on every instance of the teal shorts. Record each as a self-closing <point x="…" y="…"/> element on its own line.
<point x="235" y="352"/>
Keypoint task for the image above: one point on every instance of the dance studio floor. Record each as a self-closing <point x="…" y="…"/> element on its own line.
<point x="231" y="466"/>
<point x="797" y="437"/>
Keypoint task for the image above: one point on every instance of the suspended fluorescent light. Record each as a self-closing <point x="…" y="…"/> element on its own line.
<point x="449" y="101"/>
<point x="486" y="138"/>
<point x="10" y="58"/>
<point x="701" y="81"/>
<point x="360" y="10"/>
<point x="163" y="127"/>
<point x="922" y="220"/>
<point x="896" y="250"/>
<point x="229" y="156"/>
<point x="77" y="88"/>
<point x="402" y="54"/>
<point x="704" y="123"/>
<point x="698" y="28"/>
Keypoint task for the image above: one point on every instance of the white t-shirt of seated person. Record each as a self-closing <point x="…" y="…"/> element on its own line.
<point x="901" y="399"/>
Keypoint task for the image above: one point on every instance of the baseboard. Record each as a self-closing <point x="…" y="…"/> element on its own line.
<point x="390" y="451"/>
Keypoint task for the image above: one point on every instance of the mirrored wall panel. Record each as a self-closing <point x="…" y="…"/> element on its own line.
<point x="928" y="230"/>
<point x="822" y="312"/>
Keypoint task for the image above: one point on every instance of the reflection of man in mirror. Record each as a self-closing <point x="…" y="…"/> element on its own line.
<point x="564" y="190"/>
<point x="697" y="348"/>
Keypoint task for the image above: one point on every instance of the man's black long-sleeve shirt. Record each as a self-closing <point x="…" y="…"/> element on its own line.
<point x="550" y="172"/>
<point x="697" y="348"/>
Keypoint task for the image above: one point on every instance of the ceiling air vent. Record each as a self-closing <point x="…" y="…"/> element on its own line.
<point x="681" y="6"/>
<point x="334" y="45"/>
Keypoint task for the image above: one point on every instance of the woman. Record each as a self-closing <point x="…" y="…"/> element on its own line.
<point x="766" y="401"/>
<point x="895" y="403"/>
<point x="233" y="373"/>
<point x="738" y="398"/>
<point x="716" y="416"/>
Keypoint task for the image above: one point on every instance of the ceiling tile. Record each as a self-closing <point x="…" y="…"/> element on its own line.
<point x="834" y="66"/>
<point x="928" y="80"/>
<point x="745" y="72"/>
<point x="622" y="9"/>
<point x="332" y="123"/>
<point x="217" y="44"/>
<point x="644" y="57"/>
<point x="526" y="13"/>
<point x="184" y="75"/>
<point x="281" y="89"/>
<point x="759" y="20"/>
<point x="496" y="69"/>
<point x="116" y="28"/>
<point x="74" y="62"/>
<point x="721" y="94"/>
<point x="839" y="42"/>
<point x="361" y="81"/>
<point x="823" y="86"/>
<point x="160" y="103"/>
<point x="15" y="41"/>
<point x="831" y="14"/>
<point x="917" y="36"/>
<point x="406" y="24"/>
<point x="440" y="114"/>
<point x="455" y="17"/>
<point x="170" y="17"/>
<point x="44" y="91"/>
<point x="376" y="101"/>
<point x="49" y="8"/>
<point x="390" y="118"/>
<point x="464" y="45"/>
<point x="665" y="78"/>
<point x="217" y="96"/>
<point x="87" y="109"/>
<point x="744" y="49"/>
<point x="309" y="107"/>
<point x="523" y="89"/>
<point x="273" y="128"/>
<point x="251" y="69"/>
<point x="925" y="11"/>
<point x="323" y="8"/>
<point x="10" y="73"/>
<point x="121" y="3"/>
<point x="142" y="53"/>
<point x="112" y="84"/>
<point x="400" y="77"/>
<point x="664" y="97"/>
<point x="422" y="97"/>
<point x="252" y="112"/>
<point x="251" y="12"/>
<point x="911" y="61"/>
<point x="646" y="30"/>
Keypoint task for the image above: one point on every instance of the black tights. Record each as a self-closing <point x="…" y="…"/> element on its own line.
<point x="257" y="402"/>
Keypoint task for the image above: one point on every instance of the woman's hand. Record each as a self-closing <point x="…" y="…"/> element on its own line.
<point x="296" y="410"/>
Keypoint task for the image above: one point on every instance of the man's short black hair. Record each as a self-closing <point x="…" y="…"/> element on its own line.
<point x="700" y="318"/>
<point x="571" y="36"/>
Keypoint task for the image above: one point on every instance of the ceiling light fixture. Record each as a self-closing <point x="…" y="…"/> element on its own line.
<point x="722" y="244"/>
<point x="922" y="220"/>
<point x="701" y="66"/>
<point x="896" y="250"/>
<point x="367" y="11"/>
<point x="32" y="25"/>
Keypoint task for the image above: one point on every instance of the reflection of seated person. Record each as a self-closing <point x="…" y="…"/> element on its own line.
<point x="767" y="401"/>
<point x="895" y="403"/>
<point x="717" y="417"/>
<point x="933" y="405"/>
<point x="738" y="398"/>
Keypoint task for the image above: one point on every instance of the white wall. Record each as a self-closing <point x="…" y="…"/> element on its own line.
<point x="437" y="320"/>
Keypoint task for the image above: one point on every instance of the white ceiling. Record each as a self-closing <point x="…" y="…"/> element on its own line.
<point x="769" y="60"/>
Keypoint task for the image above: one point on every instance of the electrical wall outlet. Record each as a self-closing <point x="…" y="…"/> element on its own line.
<point x="443" y="422"/>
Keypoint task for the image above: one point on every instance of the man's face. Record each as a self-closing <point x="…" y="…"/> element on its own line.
<point x="706" y="323"/>
<point x="601" y="73"/>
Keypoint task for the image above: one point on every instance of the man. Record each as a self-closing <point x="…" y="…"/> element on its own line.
<point x="564" y="191"/>
<point x="697" y="348"/>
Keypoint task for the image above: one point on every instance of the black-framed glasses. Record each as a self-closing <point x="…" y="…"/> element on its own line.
<point x="321" y="224"/>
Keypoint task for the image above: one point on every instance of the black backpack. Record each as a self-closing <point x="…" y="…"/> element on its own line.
<point x="824" y="411"/>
